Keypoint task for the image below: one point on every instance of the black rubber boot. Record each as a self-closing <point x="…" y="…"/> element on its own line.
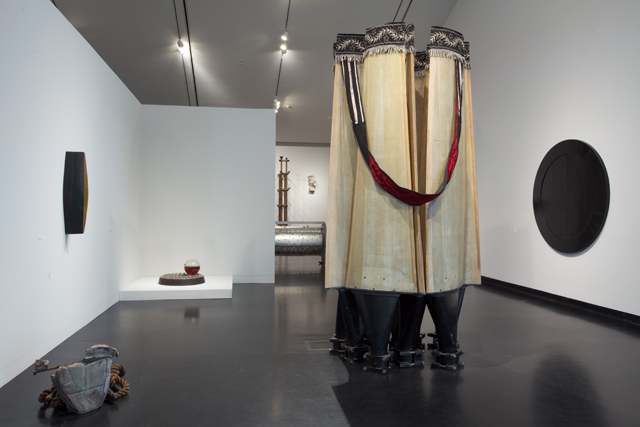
<point x="339" y="339"/>
<point x="354" y="349"/>
<point x="407" y="342"/>
<point x="377" y="310"/>
<point x="445" y="311"/>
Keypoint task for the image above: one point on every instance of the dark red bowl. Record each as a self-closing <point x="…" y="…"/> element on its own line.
<point x="192" y="270"/>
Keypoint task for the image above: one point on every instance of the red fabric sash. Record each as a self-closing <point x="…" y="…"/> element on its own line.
<point x="405" y="195"/>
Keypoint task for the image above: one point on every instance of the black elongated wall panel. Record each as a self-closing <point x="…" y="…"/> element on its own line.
<point x="75" y="192"/>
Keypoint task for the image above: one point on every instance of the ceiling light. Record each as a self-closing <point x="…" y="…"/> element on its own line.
<point x="283" y="48"/>
<point x="182" y="48"/>
<point x="276" y="105"/>
<point x="285" y="35"/>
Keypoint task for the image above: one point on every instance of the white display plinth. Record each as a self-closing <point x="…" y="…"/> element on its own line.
<point x="147" y="288"/>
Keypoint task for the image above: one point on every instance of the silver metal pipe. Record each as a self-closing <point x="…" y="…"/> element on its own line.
<point x="296" y="240"/>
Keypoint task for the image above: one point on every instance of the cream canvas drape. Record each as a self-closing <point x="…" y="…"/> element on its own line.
<point x="342" y="166"/>
<point x="375" y="241"/>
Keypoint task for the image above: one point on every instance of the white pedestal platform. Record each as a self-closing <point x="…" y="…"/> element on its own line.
<point x="147" y="288"/>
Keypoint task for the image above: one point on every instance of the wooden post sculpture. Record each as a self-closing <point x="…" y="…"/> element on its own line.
<point x="402" y="208"/>
<point x="283" y="189"/>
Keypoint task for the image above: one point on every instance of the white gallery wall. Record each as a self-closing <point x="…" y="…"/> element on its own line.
<point x="543" y="72"/>
<point x="304" y="161"/>
<point x="58" y="95"/>
<point x="207" y="191"/>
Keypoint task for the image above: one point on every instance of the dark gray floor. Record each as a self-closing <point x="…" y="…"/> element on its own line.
<point x="261" y="359"/>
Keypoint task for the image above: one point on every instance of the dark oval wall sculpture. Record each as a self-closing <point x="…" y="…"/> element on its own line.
<point x="571" y="196"/>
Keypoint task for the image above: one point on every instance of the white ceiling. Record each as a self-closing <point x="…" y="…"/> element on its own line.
<point x="235" y="50"/>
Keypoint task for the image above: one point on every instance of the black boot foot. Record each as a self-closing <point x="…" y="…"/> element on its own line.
<point x="448" y="361"/>
<point x="355" y="354"/>
<point x="338" y="345"/>
<point x="380" y="364"/>
<point x="408" y="359"/>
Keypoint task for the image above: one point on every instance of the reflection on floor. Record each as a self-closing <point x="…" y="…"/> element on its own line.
<point x="261" y="359"/>
<point x="308" y="264"/>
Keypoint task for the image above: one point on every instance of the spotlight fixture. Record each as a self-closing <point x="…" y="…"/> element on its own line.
<point x="182" y="48"/>
<point x="283" y="50"/>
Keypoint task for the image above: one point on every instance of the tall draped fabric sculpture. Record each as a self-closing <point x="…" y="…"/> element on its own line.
<point x="402" y="223"/>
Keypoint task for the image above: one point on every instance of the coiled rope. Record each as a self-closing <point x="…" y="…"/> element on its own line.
<point x="118" y="385"/>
